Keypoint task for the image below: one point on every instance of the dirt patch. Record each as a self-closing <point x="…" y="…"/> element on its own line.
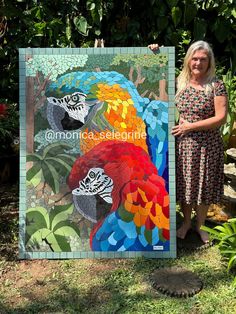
<point x="25" y="281"/>
<point x="100" y="265"/>
<point x="28" y="273"/>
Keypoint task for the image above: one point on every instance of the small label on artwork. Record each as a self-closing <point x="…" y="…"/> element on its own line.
<point x="158" y="247"/>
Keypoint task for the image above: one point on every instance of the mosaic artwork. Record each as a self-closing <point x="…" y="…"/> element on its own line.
<point x="96" y="158"/>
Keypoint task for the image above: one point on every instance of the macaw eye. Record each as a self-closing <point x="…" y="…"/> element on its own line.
<point x="92" y="174"/>
<point x="75" y="97"/>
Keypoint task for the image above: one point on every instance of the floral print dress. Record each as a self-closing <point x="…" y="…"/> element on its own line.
<point x="200" y="154"/>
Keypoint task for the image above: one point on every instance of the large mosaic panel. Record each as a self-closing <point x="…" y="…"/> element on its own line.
<point x="97" y="158"/>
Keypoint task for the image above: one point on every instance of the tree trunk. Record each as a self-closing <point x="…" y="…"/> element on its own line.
<point x="162" y="90"/>
<point x="30" y="115"/>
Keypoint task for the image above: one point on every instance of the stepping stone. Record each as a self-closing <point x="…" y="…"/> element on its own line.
<point x="176" y="282"/>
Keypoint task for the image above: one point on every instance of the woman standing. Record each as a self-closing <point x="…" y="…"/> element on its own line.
<point x="201" y="100"/>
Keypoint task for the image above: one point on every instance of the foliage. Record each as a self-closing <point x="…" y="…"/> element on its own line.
<point x="9" y="125"/>
<point x="173" y="23"/>
<point x="50" y="228"/>
<point x="154" y="68"/>
<point x="53" y="162"/>
<point x="230" y="83"/>
<point x="185" y="40"/>
<point x="42" y="73"/>
<point x="53" y="65"/>
<point x="75" y="23"/>
<point x="225" y="235"/>
<point x="56" y="23"/>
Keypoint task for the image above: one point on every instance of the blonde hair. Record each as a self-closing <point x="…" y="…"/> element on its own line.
<point x="185" y="75"/>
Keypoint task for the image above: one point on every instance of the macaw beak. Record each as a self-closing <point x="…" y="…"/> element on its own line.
<point x="51" y="100"/>
<point x="91" y="207"/>
<point x="82" y="120"/>
<point x="86" y="205"/>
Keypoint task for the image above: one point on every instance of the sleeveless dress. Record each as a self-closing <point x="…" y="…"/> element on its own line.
<point x="199" y="154"/>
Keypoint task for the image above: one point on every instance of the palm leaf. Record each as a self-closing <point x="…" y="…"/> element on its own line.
<point x="228" y="251"/>
<point x="52" y="240"/>
<point x="34" y="157"/>
<point x="54" y="227"/>
<point x="39" y="235"/>
<point x="226" y="228"/>
<point x="64" y="168"/>
<point x="33" y="171"/>
<point x="234" y="282"/>
<point x="66" y="229"/>
<point x="55" y="149"/>
<point x="40" y="210"/>
<point x="60" y="213"/>
<point x="67" y="158"/>
<point x="232" y="222"/>
<point x="232" y="262"/>
<point x="35" y="221"/>
<point x="51" y="176"/>
<point x="63" y="243"/>
<point x="215" y="234"/>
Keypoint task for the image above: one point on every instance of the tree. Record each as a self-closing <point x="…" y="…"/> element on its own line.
<point x="72" y="23"/>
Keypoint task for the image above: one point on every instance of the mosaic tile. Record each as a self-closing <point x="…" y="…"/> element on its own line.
<point x="97" y="151"/>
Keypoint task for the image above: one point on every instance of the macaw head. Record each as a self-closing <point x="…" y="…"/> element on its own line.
<point x="103" y="172"/>
<point x="75" y="105"/>
<point x="95" y="183"/>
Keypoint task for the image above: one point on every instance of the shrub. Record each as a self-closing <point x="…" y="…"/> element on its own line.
<point x="225" y="235"/>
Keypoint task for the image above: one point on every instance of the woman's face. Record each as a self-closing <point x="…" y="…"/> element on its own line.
<point x="199" y="63"/>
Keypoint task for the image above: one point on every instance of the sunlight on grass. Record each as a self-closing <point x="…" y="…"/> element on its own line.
<point x="113" y="286"/>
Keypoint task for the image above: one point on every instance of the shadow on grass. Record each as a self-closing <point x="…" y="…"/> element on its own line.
<point x="109" y="296"/>
<point x="192" y="242"/>
<point x="212" y="280"/>
<point x="114" y="293"/>
<point x="4" y="309"/>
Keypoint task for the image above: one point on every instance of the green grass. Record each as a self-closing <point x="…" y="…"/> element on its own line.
<point x="106" y="286"/>
<point x="113" y="286"/>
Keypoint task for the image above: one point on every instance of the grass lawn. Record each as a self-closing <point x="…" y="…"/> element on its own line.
<point x="106" y="285"/>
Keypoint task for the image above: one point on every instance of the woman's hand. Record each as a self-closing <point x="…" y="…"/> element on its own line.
<point x="182" y="128"/>
<point x="154" y="47"/>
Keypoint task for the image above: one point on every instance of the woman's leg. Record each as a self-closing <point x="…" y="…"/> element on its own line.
<point x="201" y="211"/>
<point x="186" y="225"/>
